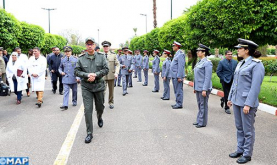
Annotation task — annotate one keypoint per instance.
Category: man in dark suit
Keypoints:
(225, 71)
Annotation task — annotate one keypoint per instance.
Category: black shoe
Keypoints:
(130, 86)
(74, 105)
(135, 77)
(162, 97)
(111, 106)
(195, 123)
(124, 94)
(61, 93)
(244, 159)
(173, 105)
(222, 102)
(165, 99)
(144, 85)
(64, 107)
(176, 107)
(38, 104)
(235, 155)
(119, 86)
(88, 138)
(228, 111)
(100, 122)
(54, 92)
(155, 91)
(199, 126)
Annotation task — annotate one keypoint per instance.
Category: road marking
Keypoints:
(63, 155)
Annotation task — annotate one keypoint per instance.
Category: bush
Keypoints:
(271, 51)
(61, 41)
(31, 36)
(10, 30)
(215, 62)
(77, 49)
(152, 42)
(49, 42)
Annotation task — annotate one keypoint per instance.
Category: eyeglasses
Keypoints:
(230, 54)
(89, 44)
(105, 46)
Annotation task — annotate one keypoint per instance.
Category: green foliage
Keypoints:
(77, 49)
(215, 62)
(49, 42)
(138, 43)
(173, 30)
(10, 30)
(31, 36)
(61, 41)
(271, 51)
(270, 67)
(152, 40)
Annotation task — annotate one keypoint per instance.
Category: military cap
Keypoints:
(67, 49)
(106, 43)
(119, 50)
(203, 47)
(167, 51)
(243, 43)
(125, 48)
(145, 51)
(156, 51)
(130, 51)
(90, 39)
(176, 44)
(1, 48)
(137, 50)
(96, 48)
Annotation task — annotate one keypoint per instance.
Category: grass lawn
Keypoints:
(268, 94)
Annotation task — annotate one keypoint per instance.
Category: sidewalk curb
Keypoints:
(263, 107)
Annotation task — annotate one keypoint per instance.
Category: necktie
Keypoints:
(67, 58)
(106, 55)
(242, 63)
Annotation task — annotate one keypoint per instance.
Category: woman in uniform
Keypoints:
(202, 85)
(156, 70)
(166, 75)
(248, 77)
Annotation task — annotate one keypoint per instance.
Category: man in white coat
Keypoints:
(37, 66)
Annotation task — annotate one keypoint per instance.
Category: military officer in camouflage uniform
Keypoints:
(91, 68)
(66, 69)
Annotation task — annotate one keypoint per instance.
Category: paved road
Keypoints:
(142, 129)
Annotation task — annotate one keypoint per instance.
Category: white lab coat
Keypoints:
(23, 58)
(12, 70)
(37, 67)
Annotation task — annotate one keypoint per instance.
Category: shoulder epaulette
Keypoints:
(100, 53)
(81, 55)
(208, 60)
(256, 60)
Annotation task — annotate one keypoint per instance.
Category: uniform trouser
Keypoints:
(110, 84)
(88, 97)
(39, 96)
(60, 84)
(18, 93)
(130, 82)
(67, 88)
(226, 88)
(125, 79)
(136, 71)
(145, 72)
(178, 91)
(245, 130)
(139, 73)
(156, 82)
(166, 94)
(202, 102)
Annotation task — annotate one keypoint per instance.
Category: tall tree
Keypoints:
(155, 13)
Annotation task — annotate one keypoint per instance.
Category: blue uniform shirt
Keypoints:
(128, 61)
(156, 64)
(247, 83)
(138, 60)
(67, 66)
(203, 75)
(177, 65)
(145, 62)
(166, 68)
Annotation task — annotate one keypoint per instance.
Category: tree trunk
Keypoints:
(154, 13)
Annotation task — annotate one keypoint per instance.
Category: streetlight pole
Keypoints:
(171, 9)
(3, 4)
(145, 20)
(98, 38)
(49, 15)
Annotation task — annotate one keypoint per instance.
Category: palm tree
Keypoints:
(154, 13)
